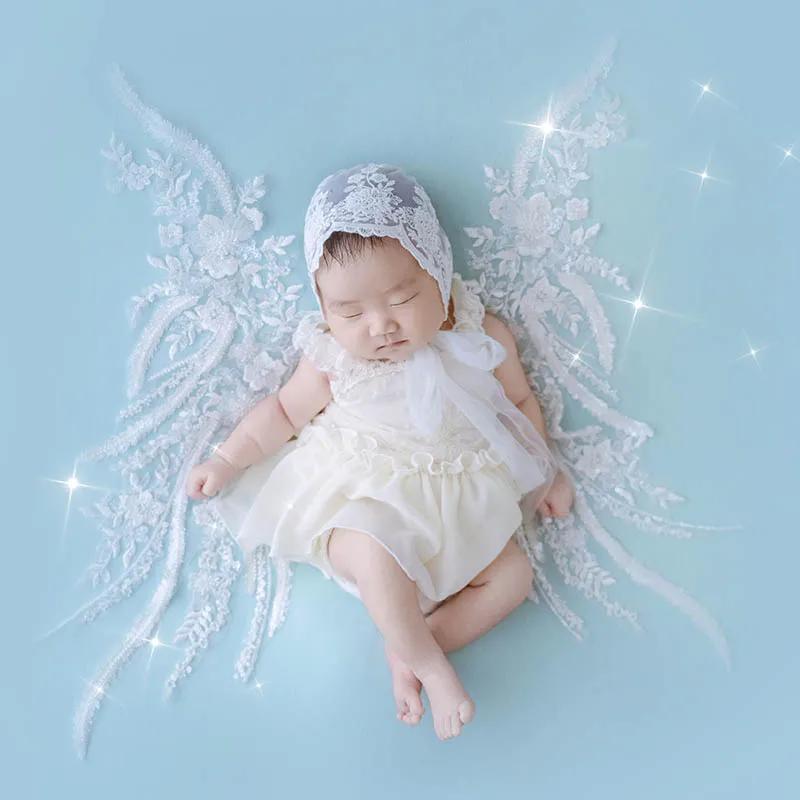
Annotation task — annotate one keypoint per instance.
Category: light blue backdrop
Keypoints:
(295, 90)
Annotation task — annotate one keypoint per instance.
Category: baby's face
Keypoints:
(381, 304)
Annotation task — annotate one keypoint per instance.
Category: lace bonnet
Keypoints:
(379, 200)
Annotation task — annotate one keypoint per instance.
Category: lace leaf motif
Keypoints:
(533, 265)
(216, 336)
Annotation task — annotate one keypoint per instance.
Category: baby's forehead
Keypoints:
(345, 286)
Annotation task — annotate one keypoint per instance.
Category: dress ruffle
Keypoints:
(444, 504)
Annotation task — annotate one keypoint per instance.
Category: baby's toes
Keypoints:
(409, 718)
(451, 727)
(410, 710)
(415, 707)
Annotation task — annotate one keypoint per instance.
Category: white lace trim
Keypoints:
(379, 200)
(372, 454)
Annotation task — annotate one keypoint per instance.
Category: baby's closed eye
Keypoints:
(407, 300)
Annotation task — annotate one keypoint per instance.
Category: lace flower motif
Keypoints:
(217, 241)
(533, 221)
(379, 200)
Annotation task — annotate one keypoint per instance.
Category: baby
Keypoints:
(398, 455)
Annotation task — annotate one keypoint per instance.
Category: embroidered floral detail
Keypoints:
(533, 268)
(216, 242)
(469, 309)
(221, 318)
(378, 200)
(533, 220)
(170, 235)
(219, 324)
(577, 208)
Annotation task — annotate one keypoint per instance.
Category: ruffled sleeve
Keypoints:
(469, 310)
(313, 338)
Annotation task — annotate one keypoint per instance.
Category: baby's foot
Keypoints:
(452, 707)
(407, 691)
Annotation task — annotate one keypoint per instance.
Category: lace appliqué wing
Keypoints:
(216, 334)
(534, 267)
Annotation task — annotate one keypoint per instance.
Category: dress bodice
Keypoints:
(442, 409)
(370, 396)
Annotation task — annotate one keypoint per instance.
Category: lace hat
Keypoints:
(379, 200)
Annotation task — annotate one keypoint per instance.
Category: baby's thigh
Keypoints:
(351, 552)
(512, 567)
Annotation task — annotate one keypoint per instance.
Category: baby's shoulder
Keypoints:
(495, 327)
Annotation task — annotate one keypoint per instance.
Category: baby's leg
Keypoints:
(390, 597)
(486, 601)
(465, 617)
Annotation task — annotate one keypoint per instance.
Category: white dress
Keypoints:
(444, 505)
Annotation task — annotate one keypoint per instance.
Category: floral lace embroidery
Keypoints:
(469, 308)
(223, 316)
(379, 200)
(531, 267)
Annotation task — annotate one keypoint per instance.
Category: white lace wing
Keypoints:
(533, 265)
(217, 336)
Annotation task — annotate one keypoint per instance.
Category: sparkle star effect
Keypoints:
(789, 154)
(752, 352)
(707, 91)
(639, 305)
(576, 357)
(579, 357)
(546, 127)
(704, 176)
(102, 693)
(73, 484)
(155, 643)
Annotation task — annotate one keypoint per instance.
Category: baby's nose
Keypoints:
(384, 326)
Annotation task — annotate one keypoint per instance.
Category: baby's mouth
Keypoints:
(392, 345)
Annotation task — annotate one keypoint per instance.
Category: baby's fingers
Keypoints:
(194, 486)
(545, 509)
(211, 486)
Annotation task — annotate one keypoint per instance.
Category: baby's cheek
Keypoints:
(420, 326)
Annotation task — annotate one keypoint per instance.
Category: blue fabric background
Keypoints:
(294, 91)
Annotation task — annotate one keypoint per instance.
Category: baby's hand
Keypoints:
(558, 500)
(206, 479)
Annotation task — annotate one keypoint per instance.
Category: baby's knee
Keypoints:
(517, 574)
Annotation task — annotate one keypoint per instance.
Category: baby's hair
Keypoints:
(341, 245)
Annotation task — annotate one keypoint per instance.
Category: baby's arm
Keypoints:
(265, 429)
(511, 375)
